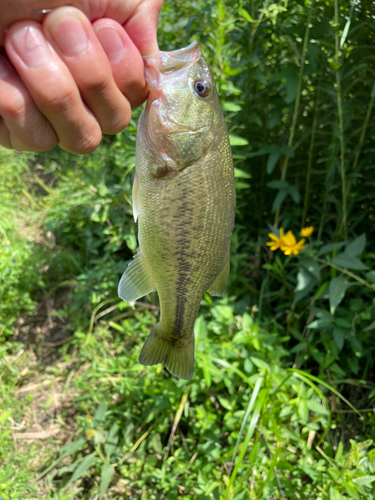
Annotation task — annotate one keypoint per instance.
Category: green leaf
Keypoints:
(337, 290)
(373, 91)
(247, 16)
(303, 410)
(315, 407)
(225, 403)
(345, 33)
(4, 416)
(364, 480)
(278, 184)
(112, 440)
(303, 279)
(106, 477)
(299, 347)
(240, 174)
(338, 337)
(65, 451)
(235, 140)
(357, 246)
(312, 266)
(99, 417)
(260, 363)
(272, 161)
(331, 247)
(279, 198)
(84, 465)
(320, 324)
(370, 327)
(242, 185)
(291, 86)
(294, 193)
(231, 106)
(346, 261)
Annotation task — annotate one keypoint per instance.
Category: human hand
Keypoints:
(76, 72)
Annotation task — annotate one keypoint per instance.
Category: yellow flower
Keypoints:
(290, 246)
(90, 432)
(276, 241)
(307, 231)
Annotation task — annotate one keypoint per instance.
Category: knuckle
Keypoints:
(14, 107)
(64, 101)
(88, 143)
(97, 83)
(117, 124)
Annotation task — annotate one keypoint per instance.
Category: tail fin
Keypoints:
(176, 354)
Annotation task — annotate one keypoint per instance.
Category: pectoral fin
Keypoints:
(135, 282)
(218, 286)
(135, 198)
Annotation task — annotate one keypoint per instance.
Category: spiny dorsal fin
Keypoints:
(135, 282)
(218, 286)
(135, 198)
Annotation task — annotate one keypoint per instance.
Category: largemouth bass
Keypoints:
(184, 200)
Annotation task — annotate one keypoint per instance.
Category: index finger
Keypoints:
(139, 16)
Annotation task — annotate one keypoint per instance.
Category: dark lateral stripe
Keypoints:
(184, 217)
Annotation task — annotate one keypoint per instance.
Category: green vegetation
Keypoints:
(281, 403)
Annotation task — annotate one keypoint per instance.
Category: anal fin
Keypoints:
(135, 282)
(217, 288)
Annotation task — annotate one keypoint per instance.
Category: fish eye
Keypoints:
(202, 88)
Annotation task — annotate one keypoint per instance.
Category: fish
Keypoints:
(184, 201)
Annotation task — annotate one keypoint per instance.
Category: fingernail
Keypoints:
(70, 36)
(30, 45)
(4, 70)
(111, 41)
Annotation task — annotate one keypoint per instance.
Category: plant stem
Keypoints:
(341, 122)
(297, 100)
(363, 133)
(309, 164)
(345, 271)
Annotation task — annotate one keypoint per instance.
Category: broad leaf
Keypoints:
(279, 198)
(278, 184)
(303, 280)
(294, 193)
(348, 262)
(331, 247)
(311, 266)
(231, 106)
(315, 407)
(235, 140)
(272, 161)
(357, 246)
(99, 416)
(106, 477)
(338, 337)
(111, 440)
(337, 289)
(83, 466)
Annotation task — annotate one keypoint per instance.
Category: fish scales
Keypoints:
(185, 199)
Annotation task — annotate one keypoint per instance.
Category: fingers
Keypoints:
(22, 125)
(71, 35)
(68, 81)
(125, 59)
(52, 87)
(141, 25)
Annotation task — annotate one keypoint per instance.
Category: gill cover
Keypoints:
(179, 114)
